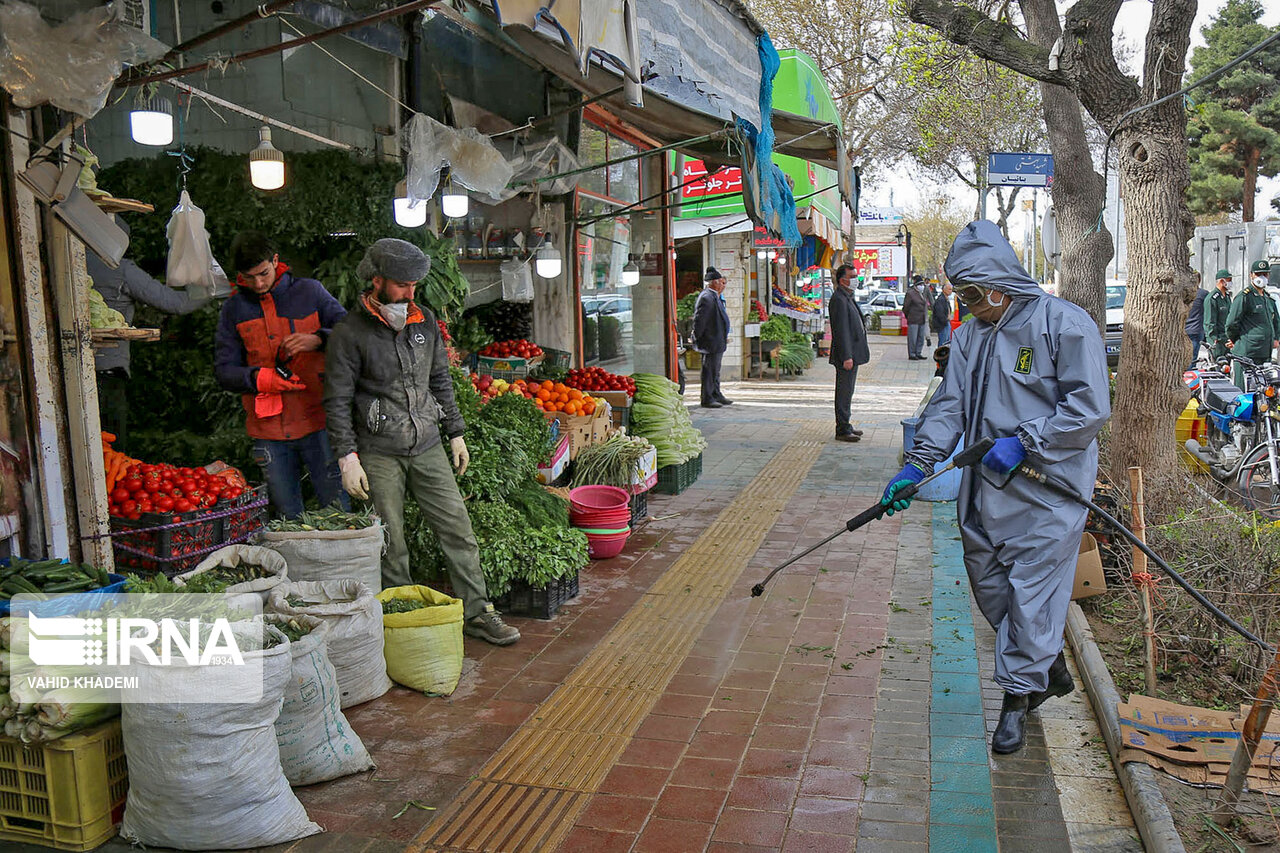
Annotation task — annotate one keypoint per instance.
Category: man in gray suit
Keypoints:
(848, 349)
(711, 337)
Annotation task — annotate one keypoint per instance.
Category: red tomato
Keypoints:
(164, 503)
(133, 483)
(207, 501)
(129, 506)
(144, 505)
(133, 516)
(188, 484)
(183, 505)
(232, 493)
(119, 495)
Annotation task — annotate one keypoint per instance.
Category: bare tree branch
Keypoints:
(999, 42)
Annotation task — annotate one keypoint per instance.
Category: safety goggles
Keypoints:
(970, 294)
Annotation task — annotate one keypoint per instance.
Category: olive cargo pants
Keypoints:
(429, 477)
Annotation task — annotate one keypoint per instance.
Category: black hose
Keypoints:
(1068, 492)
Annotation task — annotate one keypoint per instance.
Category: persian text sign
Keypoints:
(1006, 169)
(703, 185)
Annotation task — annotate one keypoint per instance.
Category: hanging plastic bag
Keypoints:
(517, 282)
(473, 159)
(191, 262)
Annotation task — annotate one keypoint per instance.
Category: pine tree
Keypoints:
(1235, 127)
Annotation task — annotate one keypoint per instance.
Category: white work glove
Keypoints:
(461, 457)
(354, 480)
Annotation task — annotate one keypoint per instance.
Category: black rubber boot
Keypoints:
(1060, 683)
(1011, 731)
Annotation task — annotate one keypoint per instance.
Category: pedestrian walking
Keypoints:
(940, 314)
(849, 349)
(1253, 325)
(269, 347)
(1031, 373)
(711, 336)
(916, 307)
(1216, 309)
(388, 395)
(1195, 325)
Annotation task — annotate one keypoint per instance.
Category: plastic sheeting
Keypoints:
(71, 66)
(766, 192)
(472, 159)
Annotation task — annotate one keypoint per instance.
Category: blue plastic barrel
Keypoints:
(946, 487)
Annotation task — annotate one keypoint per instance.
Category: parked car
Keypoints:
(882, 300)
(1115, 320)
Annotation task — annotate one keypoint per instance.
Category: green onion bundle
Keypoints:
(613, 462)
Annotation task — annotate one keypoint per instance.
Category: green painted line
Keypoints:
(961, 807)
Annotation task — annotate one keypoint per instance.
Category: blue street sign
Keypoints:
(1019, 169)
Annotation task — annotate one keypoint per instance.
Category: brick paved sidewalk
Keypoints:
(667, 710)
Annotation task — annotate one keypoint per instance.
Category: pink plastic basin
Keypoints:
(604, 547)
(612, 519)
(591, 498)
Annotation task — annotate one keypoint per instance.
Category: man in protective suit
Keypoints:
(1030, 372)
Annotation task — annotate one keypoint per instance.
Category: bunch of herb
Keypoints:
(465, 395)
(776, 328)
(403, 605)
(685, 305)
(519, 415)
(500, 462)
(538, 507)
(469, 333)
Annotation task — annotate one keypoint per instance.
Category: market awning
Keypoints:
(728, 223)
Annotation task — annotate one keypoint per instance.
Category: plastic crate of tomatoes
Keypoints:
(173, 541)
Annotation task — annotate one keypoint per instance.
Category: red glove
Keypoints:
(270, 382)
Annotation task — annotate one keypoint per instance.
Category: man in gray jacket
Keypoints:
(1029, 371)
(848, 349)
(387, 396)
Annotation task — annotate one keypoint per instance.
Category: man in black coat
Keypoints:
(848, 349)
(711, 336)
(916, 308)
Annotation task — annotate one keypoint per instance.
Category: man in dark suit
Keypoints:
(711, 336)
(848, 349)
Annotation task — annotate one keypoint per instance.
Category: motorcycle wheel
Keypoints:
(1258, 491)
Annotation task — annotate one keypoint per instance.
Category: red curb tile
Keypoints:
(586, 840)
(832, 782)
(849, 707)
(843, 730)
(332, 821)
(680, 705)
(673, 836)
(771, 736)
(789, 713)
(840, 755)
(527, 691)
(648, 752)
(845, 685)
(737, 699)
(704, 666)
(660, 727)
(761, 661)
(747, 679)
(783, 763)
(728, 722)
(813, 842)
(814, 814)
(505, 712)
(616, 814)
(724, 847)
(794, 691)
(632, 781)
(693, 685)
(696, 804)
(803, 672)
(751, 827)
(714, 773)
(763, 792)
(718, 745)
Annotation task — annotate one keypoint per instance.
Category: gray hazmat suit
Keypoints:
(1039, 374)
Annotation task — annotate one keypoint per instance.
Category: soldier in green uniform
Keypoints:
(1216, 309)
(1253, 326)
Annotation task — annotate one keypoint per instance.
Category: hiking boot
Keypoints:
(488, 626)
(1011, 731)
(1060, 683)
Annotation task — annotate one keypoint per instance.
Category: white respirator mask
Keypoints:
(396, 314)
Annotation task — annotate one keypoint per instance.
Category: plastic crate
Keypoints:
(69, 604)
(639, 508)
(674, 479)
(557, 358)
(69, 793)
(178, 549)
(524, 600)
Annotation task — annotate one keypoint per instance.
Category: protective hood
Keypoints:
(982, 256)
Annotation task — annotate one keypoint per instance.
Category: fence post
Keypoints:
(1254, 725)
(1143, 579)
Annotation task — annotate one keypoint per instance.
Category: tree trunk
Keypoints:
(1079, 194)
(1251, 157)
(1154, 177)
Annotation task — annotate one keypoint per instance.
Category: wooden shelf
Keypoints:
(111, 204)
(110, 337)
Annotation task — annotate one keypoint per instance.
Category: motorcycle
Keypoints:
(1242, 429)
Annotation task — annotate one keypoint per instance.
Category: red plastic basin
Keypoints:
(591, 498)
(603, 547)
(611, 519)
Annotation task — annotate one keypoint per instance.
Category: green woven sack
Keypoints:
(423, 647)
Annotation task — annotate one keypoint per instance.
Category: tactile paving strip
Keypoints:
(529, 794)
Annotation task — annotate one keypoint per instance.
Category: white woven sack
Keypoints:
(208, 777)
(354, 638)
(325, 555)
(316, 741)
(233, 555)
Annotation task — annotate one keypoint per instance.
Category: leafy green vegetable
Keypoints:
(776, 328)
(469, 333)
(521, 416)
(538, 507)
(445, 289)
(685, 306)
(659, 415)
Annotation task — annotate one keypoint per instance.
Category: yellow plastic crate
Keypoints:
(68, 794)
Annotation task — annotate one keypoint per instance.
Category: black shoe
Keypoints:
(1060, 684)
(724, 401)
(848, 436)
(856, 432)
(712, 405)
(1011, 731)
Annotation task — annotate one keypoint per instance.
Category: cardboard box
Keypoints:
(582, 430)
(620, 403)
(1089, 577)
(549, 473)
(645, 476)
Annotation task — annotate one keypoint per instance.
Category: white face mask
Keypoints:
(1260, 281)
(396, 314)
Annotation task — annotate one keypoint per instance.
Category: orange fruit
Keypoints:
(575, 394)
(548, 385)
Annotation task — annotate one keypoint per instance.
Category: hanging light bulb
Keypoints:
(547, 261)
(409, 214)
(773, 254)
(266, 163)
(782, 260)
(454, 203)
(151, 121)
(761, 254)
(631, 272)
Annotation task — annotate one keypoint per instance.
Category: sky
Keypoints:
(1131, 25)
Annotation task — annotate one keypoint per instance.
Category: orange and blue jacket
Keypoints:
(251, 330)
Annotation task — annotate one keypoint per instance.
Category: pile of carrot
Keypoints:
(117, 463)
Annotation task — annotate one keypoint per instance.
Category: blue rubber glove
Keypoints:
(908, 476)
(1006, 455)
